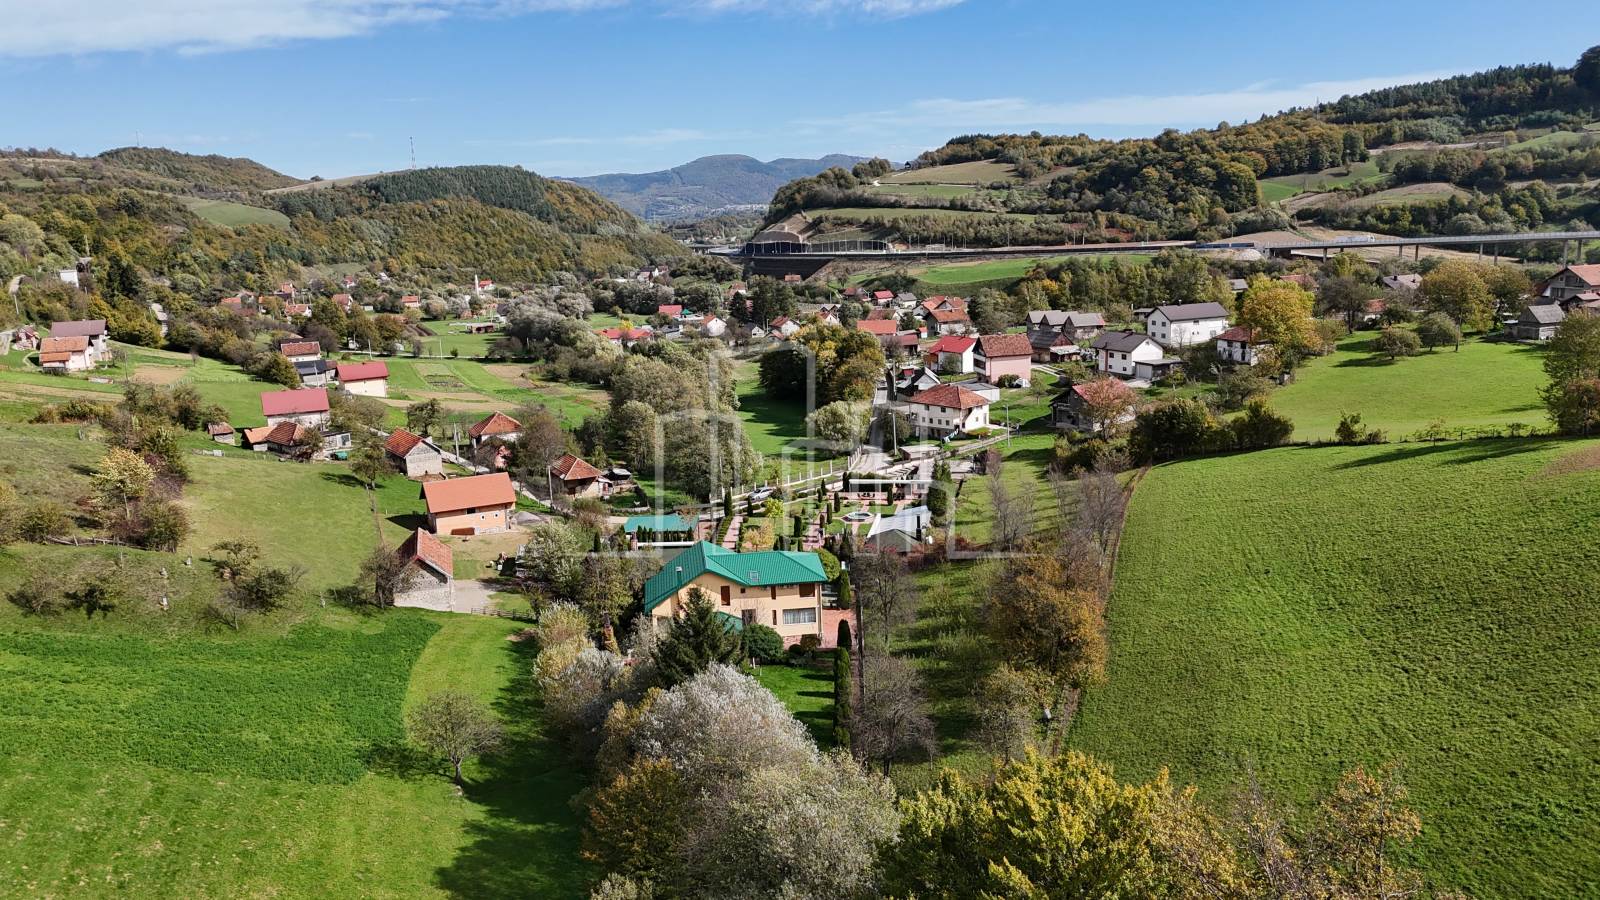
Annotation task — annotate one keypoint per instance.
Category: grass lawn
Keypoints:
(1314, 609)
(1275, 191)
(807, 692)
(234, 215)
(978, 172)
(1026, 461)
(932, 191)
(1326, 180)
(892, 213)
(1488, 383)
(266, 764)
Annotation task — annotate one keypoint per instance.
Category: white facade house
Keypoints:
(1120, 353)
(1187, 324)
(1239, 344)
(947, 409)
(365, 379)
(953, 354)
(713, 327)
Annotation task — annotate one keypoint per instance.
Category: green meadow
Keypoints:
(1309, 610)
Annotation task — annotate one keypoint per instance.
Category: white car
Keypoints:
(762, 494)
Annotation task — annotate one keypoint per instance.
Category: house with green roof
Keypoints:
(779, 589)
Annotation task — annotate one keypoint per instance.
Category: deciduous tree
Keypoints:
(455, 726)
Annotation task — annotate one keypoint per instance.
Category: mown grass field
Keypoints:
(270, 765)
(1314, 609)
(807, 692)
(978, 172)
(1282, 187)
(1488, 383)
(234, 215)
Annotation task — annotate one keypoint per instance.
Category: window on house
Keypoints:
(807, 616)
(808, 590)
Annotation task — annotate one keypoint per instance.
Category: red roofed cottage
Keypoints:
(480, 504)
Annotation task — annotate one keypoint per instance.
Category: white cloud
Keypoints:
(1252, 101)
(34, 28)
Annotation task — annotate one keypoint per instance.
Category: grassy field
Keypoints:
(927, 191)
(1026, 462)
(893, 213)
(1273, 189)
(808, 693)
(1487, 383)
(270, 765)
(1312, 609)
(979, 172)
(234, 215)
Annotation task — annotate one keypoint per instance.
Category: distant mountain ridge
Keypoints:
(707, 185)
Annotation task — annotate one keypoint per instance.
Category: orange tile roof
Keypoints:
(300, 348)
(943, 316)
(286, 434)
(496, 423)
(402, 442)
(879, 327)
(571, 468)
(953, 396)
(58, 357)
(424, 547)
(1002, 346)
(75, 344)
(469, 493)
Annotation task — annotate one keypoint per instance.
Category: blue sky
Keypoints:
(579, 87)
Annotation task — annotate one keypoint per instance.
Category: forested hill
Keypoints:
(1525, 123)
(558, 203)
(196, 222)
(707, 185)
(206, 172)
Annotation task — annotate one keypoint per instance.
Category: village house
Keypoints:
(952, 354)
(626, 337)
(305, 406)
(413, 455)
(882, 298)
(713, 327)
(669, 310)
(946, 321)
(315, 372)
(882, 329)
(410, 301)
(301, 351)
(577, 478)
(479, 504)
(497, 426)
(1121, 353)
(782, 590)
(287, 439)
(430, 567)
(946, 410)
(1239, 344)
(222, 433)
(828, 315)
(286, 290)
(297, 310)
(1070, 411)
(1538, 322)
(66, 354)
(345, 302)
(367, 379)
(1052, 346)
(1004, 356)
(92, 330)
(232, 304)
(901, 533)
(1080, 327)
(784, 327)
(1570, 287)
(1187, 324)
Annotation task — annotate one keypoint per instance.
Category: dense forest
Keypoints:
(427, 226)
(1206, 183)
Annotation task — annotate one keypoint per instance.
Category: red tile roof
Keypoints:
(345, 301)
(300, 348)
(293, 403)
(625, 334)
(953, 396)
(70, 344)
(367, 371)
(219, 428)
(496, 423)
(475, 492)
(883, 295)
(296, 309)
(1003, 346)
(424, 547)
(1589, 273)
(402, 442)
(946, 316)
(670, 310)
(1240, 333)
(953, 343)
(879, 327)
(54, 356)
(411, 300)
(286, 434)
(571, 468)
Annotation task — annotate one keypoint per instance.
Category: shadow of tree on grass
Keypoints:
(526, 843)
